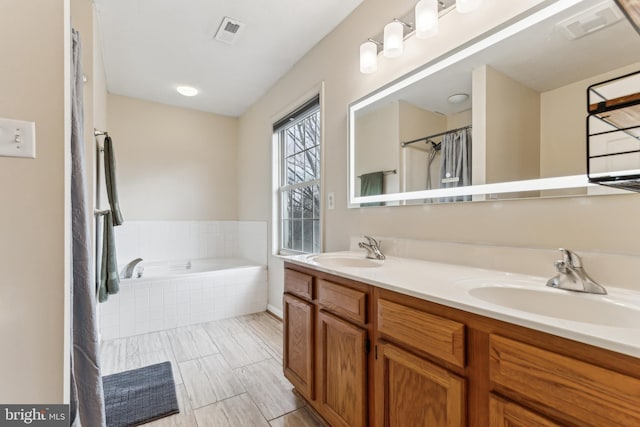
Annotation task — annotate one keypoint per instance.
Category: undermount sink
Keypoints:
(346, 260)
(576, 307)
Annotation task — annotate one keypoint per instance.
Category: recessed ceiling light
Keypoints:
(458, 98)
(187, 90)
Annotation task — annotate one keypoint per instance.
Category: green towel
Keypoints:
(110, 181)
(372, 184)
(109, 279)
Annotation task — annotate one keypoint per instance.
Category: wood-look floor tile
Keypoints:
(185, 418)
(224, 327)
(209, 379)
(268, 329)
(269, 389)
(238, 411)
(302, 417)
(113, 356)
(191, 343)
(241, 349)
(147, 359)
(148, 343)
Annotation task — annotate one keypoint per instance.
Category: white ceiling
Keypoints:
(152, 46)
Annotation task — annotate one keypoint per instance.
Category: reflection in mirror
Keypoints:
(512, 112)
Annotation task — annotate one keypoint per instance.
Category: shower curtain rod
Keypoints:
(97, 132)
(425, 138)
(389, 172)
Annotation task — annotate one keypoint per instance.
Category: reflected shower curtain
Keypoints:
(456, 162)
(87, 400)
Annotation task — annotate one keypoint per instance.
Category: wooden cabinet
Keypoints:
(343, 371)
(433, 365)
(298, 354)
(417, 392)
(327, 345)
(503, 413)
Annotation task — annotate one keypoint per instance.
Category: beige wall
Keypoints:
(374, 133)
(33, 251)
(533, 223)
(174, 163)
(512, 129)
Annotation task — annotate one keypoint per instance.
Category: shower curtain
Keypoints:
(87, 400)
(456, 162)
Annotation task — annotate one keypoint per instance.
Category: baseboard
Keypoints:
(275, 311)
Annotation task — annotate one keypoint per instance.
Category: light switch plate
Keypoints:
(17, 138)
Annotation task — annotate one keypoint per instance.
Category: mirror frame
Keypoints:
(483, 41)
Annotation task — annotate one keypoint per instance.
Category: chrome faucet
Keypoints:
(127, 271)
(572, 277)
(373, 248)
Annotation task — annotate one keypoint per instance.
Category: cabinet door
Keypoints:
(417, 392)
(343, 370)
(503, 413)
(298, 355)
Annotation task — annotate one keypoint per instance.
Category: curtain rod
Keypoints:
(97, 132)
(424, 138)
(389, 172)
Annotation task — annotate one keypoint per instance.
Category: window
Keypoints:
(298, 138)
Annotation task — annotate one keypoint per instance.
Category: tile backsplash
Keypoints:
(177, 240)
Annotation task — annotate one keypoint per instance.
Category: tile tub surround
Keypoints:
(177, 240)
(155, 304)
(609, 269)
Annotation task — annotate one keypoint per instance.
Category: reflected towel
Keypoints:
(109, 279)
(372, 184)
(110, 180)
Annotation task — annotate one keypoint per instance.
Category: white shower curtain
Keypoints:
(456, 162)
(87, 400)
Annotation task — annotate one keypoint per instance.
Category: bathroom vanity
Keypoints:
(400, 344)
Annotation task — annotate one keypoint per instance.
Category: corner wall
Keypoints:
(524, 223)
(33, 251)
(174, 163)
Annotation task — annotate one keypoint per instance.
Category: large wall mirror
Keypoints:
(501, 117)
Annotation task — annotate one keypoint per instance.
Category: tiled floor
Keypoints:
(227, 372)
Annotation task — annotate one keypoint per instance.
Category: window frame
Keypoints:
(312, 105)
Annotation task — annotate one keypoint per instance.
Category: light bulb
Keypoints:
(368, 57)
(393, 39)
(466, 6)
(426, 18)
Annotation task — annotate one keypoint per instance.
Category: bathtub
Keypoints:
(166, 295)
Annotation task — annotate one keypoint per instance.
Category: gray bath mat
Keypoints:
(139, 396)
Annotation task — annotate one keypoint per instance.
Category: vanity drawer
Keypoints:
(585, 394)
(435, 335)
(298, 283)
(343, 301)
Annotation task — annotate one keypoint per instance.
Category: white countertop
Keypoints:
(449, 285)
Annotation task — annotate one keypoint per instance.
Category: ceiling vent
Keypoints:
(229, 30)
(591, 20)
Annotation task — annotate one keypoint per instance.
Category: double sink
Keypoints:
(527, 295)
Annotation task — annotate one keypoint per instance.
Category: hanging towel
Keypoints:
(110, 178)
(109, 279)
(372, 184)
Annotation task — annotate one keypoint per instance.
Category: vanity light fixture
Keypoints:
(187, 90)
(422, 20)
(466, 6)
(426, 18)
(394, 38)
(369, 56)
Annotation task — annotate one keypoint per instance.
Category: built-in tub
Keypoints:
(180, 293)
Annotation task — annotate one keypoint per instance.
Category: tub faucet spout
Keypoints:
(127, 271)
